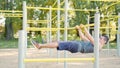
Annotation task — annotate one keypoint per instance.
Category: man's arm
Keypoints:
(88, 35)
(82, 36)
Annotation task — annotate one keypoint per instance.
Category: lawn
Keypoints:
(10, 44)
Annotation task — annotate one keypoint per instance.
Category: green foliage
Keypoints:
(75, 17)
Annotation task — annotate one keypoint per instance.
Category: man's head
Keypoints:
(104, 39)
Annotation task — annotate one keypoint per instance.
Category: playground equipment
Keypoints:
(65, 39)
(11, 13)
(23, 38)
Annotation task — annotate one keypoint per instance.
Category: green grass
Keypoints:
(8, 44)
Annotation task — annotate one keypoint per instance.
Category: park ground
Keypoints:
(9, 59)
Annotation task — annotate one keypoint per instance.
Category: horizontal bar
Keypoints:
(53, 29)
(103, 0)
(43, 29)
(11, 15)
(104, 27)
(10, 11)
(59, 60)
(37, 21)
(62, 9)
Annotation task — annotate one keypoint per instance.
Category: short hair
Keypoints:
(106, 38)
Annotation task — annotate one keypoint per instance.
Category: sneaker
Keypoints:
(35, 44)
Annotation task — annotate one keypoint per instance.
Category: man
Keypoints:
(85, 45)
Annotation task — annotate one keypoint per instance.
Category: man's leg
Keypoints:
(47, 45)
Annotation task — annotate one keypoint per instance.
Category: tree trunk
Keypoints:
(8, 24)
(8, 30)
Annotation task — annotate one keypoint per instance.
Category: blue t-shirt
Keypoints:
(85, 47)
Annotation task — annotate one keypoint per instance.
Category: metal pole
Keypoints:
(118, 36)
(48, 35)
(66, 26)
(88, 22)
(108, 45)
(58, 26)
(21, 49)
(50, 26)
(96, 39)
(25, 21)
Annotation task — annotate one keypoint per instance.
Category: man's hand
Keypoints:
(77, 27)
(82, 26)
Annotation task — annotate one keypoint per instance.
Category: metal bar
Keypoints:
(48, 35)
(37, 21)
(24, 25)
(118, 36)
(107, 31)
(88, 22)
(50, 27)
(96, 39)
(111, 5)
(12, 15)
(21, 49)
(60, 60)
(103, 0)
(12, 11)
(65, 31)
(62, 3)
(54, 3)
(62, 9)
(58, 25)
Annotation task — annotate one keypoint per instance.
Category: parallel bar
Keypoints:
(108, 16)
(62, 9)
(60, 60)
(103, 0)
(12, 15)
(13, 11)
(37, 21)
(55, 29)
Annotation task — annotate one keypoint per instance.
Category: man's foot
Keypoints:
(35, 44)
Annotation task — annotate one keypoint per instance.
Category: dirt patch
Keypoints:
(9, 59)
